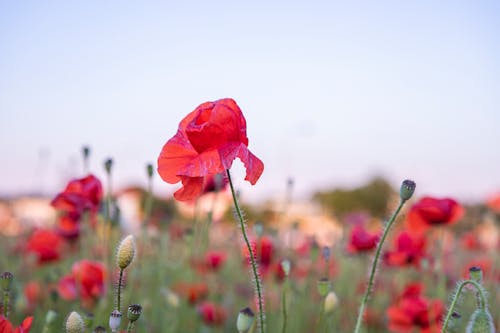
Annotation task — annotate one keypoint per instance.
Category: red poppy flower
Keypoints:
(85, 281)
(214, 260)
(361, 240)
(431, 212)
(207, 142)
(32, 293)
(68, 226)
(6, 326)
(194, 292)
(212, 314)
(409, 249)
(412, 310)
(470, 241)
(494, 203)
(80, 194)
(45, 244)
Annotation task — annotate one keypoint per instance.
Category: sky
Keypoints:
(334, 92)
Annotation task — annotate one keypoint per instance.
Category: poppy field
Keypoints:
(375, 259)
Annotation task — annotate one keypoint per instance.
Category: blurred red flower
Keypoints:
(361, 240)
(470, 241)
(207, 142)
(215, 259)
(212, 314)
(80, 194)
(412, 310)
(409, 249)
(193, 292)
(32, 293)
(493, 203)
(6, 326)
(429, 212)
(45, 244)
(86, 281)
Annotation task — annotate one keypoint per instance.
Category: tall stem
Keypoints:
(6, 303)
(251, 253)
(359, 321)
(283, 305)
(482, 301)
(118, 291)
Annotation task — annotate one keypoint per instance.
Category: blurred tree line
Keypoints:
(372, 198)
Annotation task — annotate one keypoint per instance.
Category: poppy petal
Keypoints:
(191, 188)
(175, 155)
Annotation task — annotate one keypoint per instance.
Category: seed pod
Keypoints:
(125, 252)
(74, 323)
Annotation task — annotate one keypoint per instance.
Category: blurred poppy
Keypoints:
(85, 281)
(68, 226)
(212, 314)
(470, 241)
(413, 311)
(214, 260)
(6, 326)
(361, 240)
(32, 293)
(80, 194)
(263, 249)
(493, 203)
(193, 292)
(45, 244)
(429, 212)
(409, 249)
(207, 142)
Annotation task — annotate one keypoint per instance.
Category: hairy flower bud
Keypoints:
(407, 189)
(149, 170)
(74, 323)
(480, 322)
(125, 252)
(331, 302)
(245, 320)
(108, 164)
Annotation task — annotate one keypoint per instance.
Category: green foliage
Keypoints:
(372, 198)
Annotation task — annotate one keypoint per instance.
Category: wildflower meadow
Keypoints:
(377, 258)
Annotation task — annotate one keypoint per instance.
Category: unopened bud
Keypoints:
(285, 266)
(407, 189)
(480, 322)
(50, 317)
(149, 170)
(476, 274)
(331, 301)
(245, 320)
(115, 319)
(125, 252)
(134, 312)
(89, 320)
(74, 323)
(108, 165)
(99, 329)
(6, 280)
(86, 151)
(324, 286)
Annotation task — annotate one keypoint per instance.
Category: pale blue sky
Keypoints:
(333, 91)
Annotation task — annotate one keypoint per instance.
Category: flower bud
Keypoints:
(331, 302)
(74, 323)
(285, 266)
(476, 274)
(108, 164)
(324, 286)
(134, 312)
(407, 189)
(480, 322)
(50, 317)
(85, 151)
(326, 253)
(115, 319)
(88, 320)
(149, 170)
(99, 329)
(245, 320)
(6, 280)
(125, 252)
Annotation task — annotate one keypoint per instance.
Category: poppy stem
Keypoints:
(6, 296)
(482, 300)
(364, 301)
(283, 305)
(118, 291)
(130, 326)
(251, 254)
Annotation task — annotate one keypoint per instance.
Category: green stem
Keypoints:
(130, 326)
(6, 296)
(118, 291)
(482, 302)
(364, 301)
(250, 251)
(283, 305)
